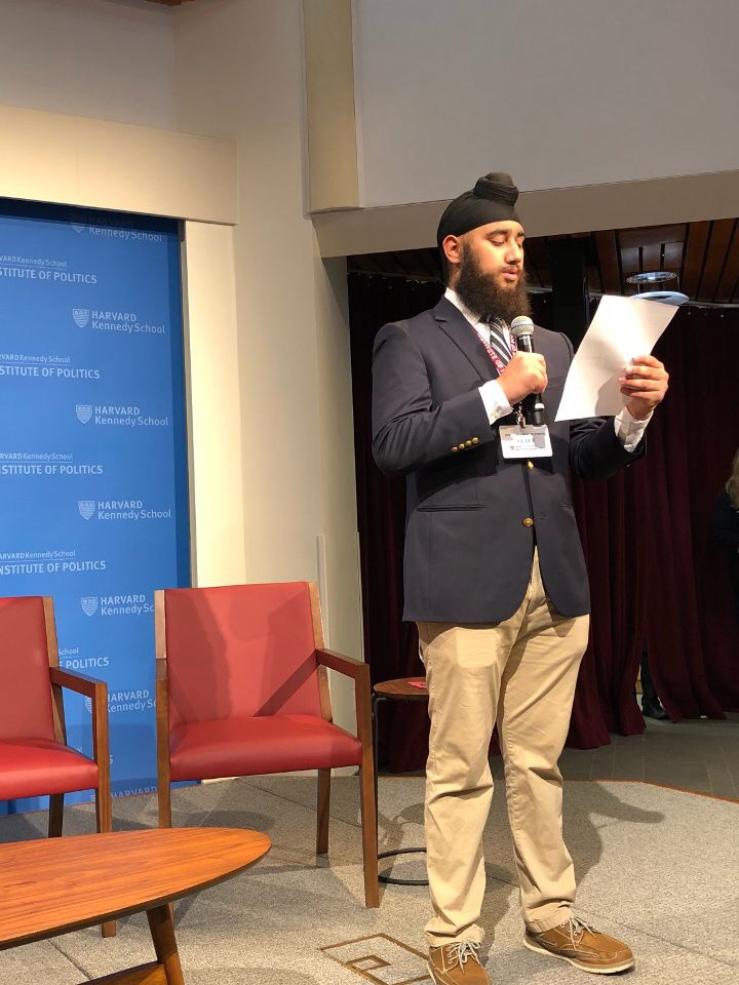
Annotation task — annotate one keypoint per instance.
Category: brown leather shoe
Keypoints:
(457, 964)
(583, 946)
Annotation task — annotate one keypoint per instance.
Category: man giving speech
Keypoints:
(494, 572)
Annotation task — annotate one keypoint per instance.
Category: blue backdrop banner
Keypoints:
(93, 452)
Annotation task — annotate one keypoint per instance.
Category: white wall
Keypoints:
(240, 75)
(77, 160)
(108, 59)
(237, 76)
(213, 406)
(561, 94)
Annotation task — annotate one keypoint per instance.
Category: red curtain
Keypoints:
(656, 578)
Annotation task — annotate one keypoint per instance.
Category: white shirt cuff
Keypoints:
(629, 431)
(495, 401)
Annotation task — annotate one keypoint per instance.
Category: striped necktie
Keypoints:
(499, 339)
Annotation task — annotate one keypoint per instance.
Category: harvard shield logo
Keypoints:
(86, 508)
(89, 604)
(81, 317)
(84, 412)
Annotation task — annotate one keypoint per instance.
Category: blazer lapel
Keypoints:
(453, 323)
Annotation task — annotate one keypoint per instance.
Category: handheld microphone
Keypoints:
(522, 329)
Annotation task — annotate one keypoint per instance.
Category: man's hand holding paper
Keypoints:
(644, 383)
(613, 362)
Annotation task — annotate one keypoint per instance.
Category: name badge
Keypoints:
(525, 442)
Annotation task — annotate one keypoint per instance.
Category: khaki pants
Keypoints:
(522, 674)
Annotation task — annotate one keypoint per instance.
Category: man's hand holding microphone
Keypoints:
(525, 373)
(528, 378)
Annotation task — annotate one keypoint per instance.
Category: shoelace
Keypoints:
(464, 950)
(578, 928)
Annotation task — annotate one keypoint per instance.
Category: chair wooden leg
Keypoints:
(56, 815)
(324, 801)
(165, 805)
(103, 811)
(369, 830)
(104, 816)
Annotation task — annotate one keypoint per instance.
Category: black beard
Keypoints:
(480, 293)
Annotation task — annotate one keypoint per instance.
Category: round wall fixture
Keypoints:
(652, 277)
(665, 297)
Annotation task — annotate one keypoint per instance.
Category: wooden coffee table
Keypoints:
(49, 887)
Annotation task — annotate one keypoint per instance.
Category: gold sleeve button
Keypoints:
(529, 465)
(455, 448)
(475, 441)
(527, 521)
(468, 444)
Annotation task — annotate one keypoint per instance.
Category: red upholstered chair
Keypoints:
(35, 759)
(242, 690)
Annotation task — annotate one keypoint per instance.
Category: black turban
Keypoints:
(493, 198)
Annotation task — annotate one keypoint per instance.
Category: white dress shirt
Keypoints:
(629, 431)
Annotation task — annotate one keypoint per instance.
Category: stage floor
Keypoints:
(699, 755)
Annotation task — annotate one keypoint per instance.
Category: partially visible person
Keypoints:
(651, 706)
(725, 526)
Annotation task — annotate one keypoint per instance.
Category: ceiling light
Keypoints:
(651, 277)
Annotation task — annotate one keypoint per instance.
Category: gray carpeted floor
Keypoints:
(696, 754)
(658, 867)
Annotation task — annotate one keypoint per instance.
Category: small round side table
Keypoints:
(399, 689)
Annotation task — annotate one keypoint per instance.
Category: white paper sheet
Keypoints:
(622, 328)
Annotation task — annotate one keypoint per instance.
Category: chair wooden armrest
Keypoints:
(360, 672)
(97, 692)
(341, 664)
(81, 683)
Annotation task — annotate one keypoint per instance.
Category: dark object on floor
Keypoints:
(651, 706)
(653, 709)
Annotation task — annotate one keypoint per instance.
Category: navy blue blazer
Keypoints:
(469, 540)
